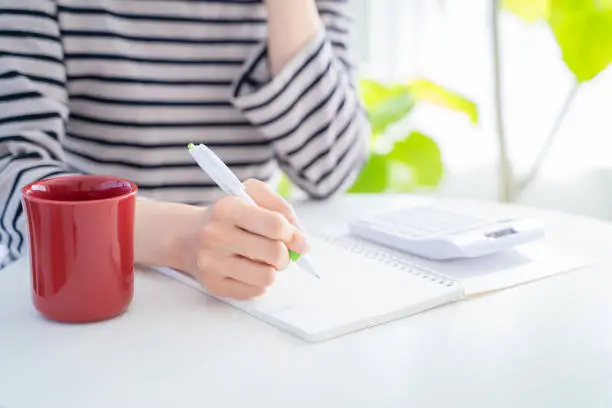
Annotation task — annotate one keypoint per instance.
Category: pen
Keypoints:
(230, 184)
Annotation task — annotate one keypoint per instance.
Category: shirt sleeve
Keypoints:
(33, 110)
(310, 111)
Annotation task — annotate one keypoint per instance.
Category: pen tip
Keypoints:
(308, 268)
(191, 146)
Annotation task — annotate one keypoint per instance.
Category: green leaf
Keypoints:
(421, 154)
(390, 111)
(385, 105)
(423, 90)
(373, 177)
(574, 5)
(371, 92)
(402, 178)
(528, 10)
(583, 29)
(414, 161)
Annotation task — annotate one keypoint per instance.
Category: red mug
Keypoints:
(81, 234)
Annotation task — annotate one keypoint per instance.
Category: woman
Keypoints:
(120, 88)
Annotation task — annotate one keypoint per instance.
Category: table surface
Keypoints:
(544, 344)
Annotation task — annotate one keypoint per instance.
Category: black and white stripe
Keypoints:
(120, 87)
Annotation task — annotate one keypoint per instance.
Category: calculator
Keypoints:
(435, 233)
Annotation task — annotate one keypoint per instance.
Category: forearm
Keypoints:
(163, 233)
(291, 25)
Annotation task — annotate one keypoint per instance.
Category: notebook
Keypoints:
(363, 285)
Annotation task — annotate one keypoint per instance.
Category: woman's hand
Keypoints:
(233, 248)
(242, 246)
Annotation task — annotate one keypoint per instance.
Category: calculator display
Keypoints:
(500, 233)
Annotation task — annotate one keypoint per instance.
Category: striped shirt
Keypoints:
(120, 87)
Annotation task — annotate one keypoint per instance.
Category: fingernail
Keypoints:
(300, 243)
(292, 217)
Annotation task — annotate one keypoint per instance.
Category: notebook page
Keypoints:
(522, 264)
(356, 292)
(353, 293)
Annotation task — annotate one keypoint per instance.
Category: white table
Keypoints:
(545, 344)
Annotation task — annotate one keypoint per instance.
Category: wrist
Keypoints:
(163, 233)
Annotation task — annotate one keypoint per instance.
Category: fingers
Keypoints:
(257, 248)
(229, 240)
(260, 221)
(267, 198)
(247, 271)
(242, 245)
(235, 277)
(231, 288)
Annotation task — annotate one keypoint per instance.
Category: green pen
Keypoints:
(229, 183)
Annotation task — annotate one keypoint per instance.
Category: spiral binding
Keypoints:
(387, 256)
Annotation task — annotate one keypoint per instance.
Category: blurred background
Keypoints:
(466, 96)
(427, 76)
